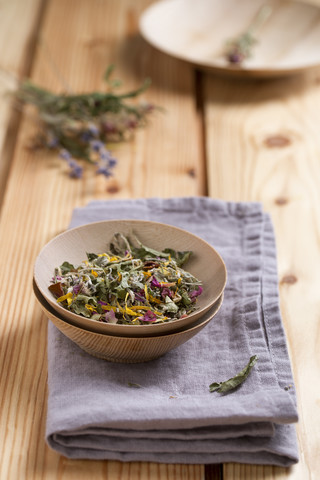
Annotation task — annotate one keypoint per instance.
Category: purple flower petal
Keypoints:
(77, 288)
(104, 171)
(139, 297)
(96, 145)
(149, 316)
(110, 317)
(195, 293)
(65, 154)
(155, 283)
(166, 292)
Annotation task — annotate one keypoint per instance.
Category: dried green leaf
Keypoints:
(179, 257)
(108, 72)
(119, 244)
(234, 382)
(92, 256)
(66, 267)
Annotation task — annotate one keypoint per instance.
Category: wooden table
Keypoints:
(253, 140)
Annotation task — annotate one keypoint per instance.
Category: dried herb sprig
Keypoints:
(234, 382)
(79, 126)
(240, 48)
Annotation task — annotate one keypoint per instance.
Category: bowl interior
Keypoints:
(72, 245)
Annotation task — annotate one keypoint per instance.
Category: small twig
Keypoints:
(240, 48)
(54, 67)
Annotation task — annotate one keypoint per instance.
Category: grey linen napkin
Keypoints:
(93, 412)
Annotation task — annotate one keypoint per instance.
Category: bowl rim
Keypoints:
(119, 327)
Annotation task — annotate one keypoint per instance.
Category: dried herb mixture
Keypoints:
(130, 284)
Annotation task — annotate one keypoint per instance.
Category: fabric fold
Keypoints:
(172, 417)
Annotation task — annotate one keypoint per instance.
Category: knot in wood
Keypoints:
(113, 189)
(277, 141)
(191, 172)
(289, 279)
(281, 201)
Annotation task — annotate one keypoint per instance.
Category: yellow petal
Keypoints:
(64, 297)
(108, 307)
(146, 293)
(154, 299)
(90, 307)
(131, 312)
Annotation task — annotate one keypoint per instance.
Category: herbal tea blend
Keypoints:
(129, 284)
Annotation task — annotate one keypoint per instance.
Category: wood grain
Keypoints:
(263, 145)
(81, 38)
(19, 22)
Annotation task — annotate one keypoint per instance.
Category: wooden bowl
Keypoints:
(125, 349)
(197, 32)
(72, 245)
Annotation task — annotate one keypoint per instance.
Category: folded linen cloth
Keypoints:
(94, 413)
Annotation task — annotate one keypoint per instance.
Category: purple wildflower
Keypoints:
(93, 130)
(96, 145)
(107, 162)
(235, 57)
(132, 124)
(86, 136)
(75, 169)
(112, 162)
(109, 127)
(104, 171)
(65, 154)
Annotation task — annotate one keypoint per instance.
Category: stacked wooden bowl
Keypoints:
(129, 343)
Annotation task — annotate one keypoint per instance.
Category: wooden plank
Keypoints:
(263, 145)
(80, 38)
(18, 29)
